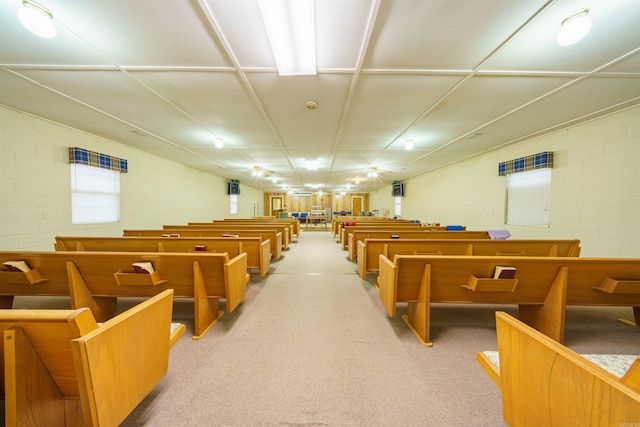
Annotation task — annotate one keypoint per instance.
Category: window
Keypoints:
(234, 204)
(397, 206)
(95, 195)
(528, 197)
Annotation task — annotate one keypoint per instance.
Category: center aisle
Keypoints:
(312, 345)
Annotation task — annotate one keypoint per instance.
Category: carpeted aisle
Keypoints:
(311, 345)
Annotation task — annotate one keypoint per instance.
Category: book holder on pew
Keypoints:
(613, 286)
(30, 277)
(482, 284)
(138, 279)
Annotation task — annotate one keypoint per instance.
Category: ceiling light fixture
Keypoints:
(408, 145)
(311, 105)
(37, 19)
(290, 26)
(373, 172)
(257, 171)
(574, 28)
(219, 142)
(312, 164)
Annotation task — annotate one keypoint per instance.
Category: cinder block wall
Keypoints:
(35, 186)
(595, 188)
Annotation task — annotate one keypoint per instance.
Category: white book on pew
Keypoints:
(144, 267)
(17, 266)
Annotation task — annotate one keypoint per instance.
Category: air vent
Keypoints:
(301, 194)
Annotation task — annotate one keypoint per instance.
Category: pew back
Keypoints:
(360, 235)
(257, 250)
(274, 237)
(285, 229)
(97, 279)
(542, 287)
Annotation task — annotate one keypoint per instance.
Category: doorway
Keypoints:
(277, 205)
(356, 205)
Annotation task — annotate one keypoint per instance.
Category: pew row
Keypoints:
(542, 287)
(348, 227)
(338, 221)
(274, 237)
(61, 368)
(544, 383)
(257, 250)
(293, 222)
(285, 229)
(360, 235)
(97, 279)
(369, 250)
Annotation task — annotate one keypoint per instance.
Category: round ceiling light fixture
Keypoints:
(311, 105)
(574, 28)
(37, 19)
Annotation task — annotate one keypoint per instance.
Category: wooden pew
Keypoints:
(337, 222)
(543, 286)
(274, 237)
(359, 235)
(294, 222)
(370, 249)
(284, 229)
(257, 250)
(62, 369)
(344, 232)
(544, 383)
(97, 279)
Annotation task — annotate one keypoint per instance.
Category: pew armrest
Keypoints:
(119, 363)
(543, 382)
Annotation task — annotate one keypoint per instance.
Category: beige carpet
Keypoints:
(311, 345)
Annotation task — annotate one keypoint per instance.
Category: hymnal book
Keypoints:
(17, 266)
(230, 235)
(503, 272)
(144, 267)
(395, 236)
(201, 248)
(171, 235)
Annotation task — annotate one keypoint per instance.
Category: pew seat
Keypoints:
(544, 383)
(62, 368)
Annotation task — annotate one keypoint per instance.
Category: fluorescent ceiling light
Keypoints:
(290, 26)
(37, 19)
(574, 28)
(312, 164)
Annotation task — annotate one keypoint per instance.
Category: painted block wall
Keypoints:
(595, 188)
(35, 186)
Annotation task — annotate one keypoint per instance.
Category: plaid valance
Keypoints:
(91, 158)
(523, 164)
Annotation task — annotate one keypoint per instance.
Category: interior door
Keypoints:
(356, 205)
(277, 204)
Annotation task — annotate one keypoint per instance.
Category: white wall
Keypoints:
(595, 190)
(35, 187)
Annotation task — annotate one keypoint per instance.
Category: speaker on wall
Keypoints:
(233, 188)
(397, 190)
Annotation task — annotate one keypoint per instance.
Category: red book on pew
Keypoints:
(504, 272)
